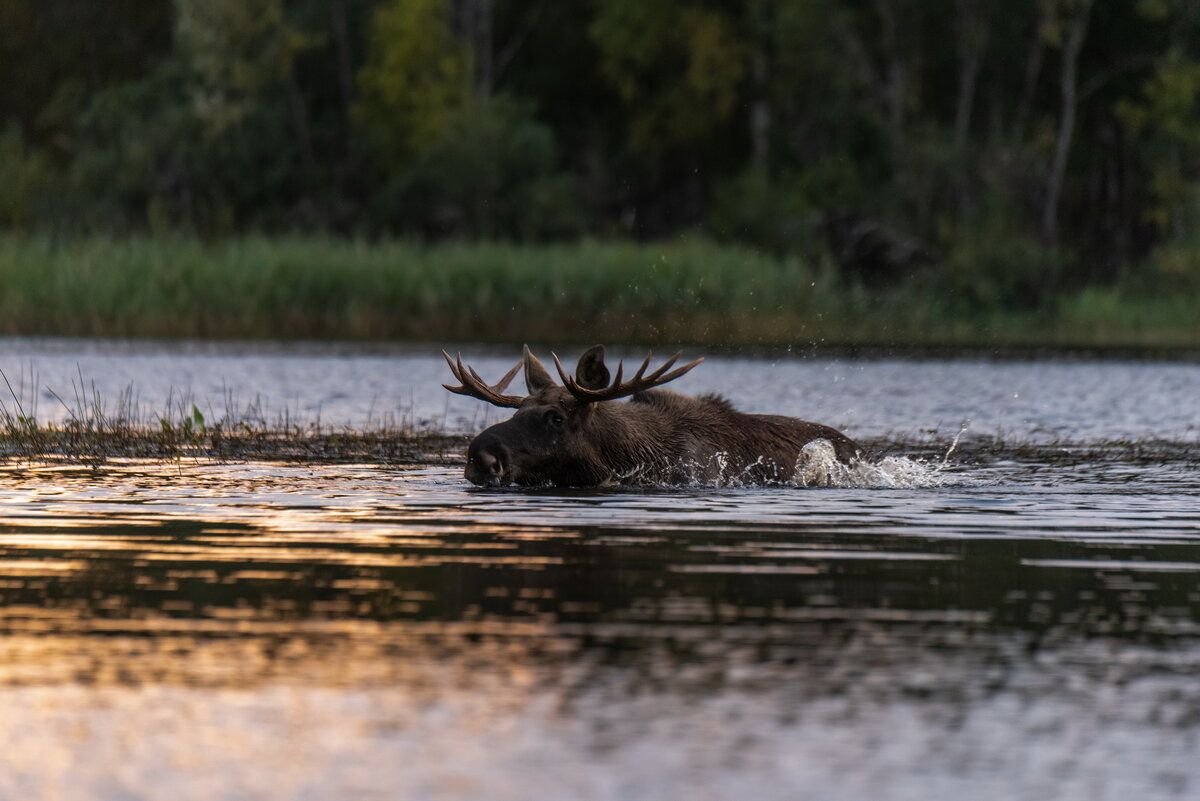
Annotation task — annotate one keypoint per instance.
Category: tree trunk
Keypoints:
(884, 85)
(300, 125)
(972, 31)
(504, 57)
(895, 76)
(972, 43)
(475, 27)
(1066, 127)
(760, 111)
(483, 48)
(1033, 69)
(341, 50)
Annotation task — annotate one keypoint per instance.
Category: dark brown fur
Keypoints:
(657, 437)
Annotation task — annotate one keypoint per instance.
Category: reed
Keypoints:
(684, 292)
(96, 430)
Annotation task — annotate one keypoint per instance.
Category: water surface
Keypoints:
(358, 386)
(1022, 624)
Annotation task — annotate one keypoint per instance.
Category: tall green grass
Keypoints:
(681, 292)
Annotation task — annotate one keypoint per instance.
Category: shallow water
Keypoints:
(364, 386)
(1020, 626)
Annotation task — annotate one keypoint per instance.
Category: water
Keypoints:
(1020, 623)
(358, 386)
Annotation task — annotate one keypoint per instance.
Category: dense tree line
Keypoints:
(1013, 148)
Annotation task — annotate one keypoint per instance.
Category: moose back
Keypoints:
(575, 434)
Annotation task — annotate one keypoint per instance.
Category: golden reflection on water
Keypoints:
(271, 631)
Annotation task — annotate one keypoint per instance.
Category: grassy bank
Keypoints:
(692, 292)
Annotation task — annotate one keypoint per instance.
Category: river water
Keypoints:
(1020, 621)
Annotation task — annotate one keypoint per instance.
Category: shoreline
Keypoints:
(686, 293)
(866, 351)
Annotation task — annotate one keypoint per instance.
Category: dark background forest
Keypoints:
(1017, 149)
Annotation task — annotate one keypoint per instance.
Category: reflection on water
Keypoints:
(197, 630)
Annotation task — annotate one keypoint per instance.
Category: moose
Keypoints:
(574, 435)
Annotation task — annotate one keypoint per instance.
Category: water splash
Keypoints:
(818, 466)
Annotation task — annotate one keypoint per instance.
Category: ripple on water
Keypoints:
(199, 630)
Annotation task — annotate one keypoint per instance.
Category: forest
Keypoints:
(1008, 152)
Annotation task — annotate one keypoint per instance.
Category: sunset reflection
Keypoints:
(354, 620)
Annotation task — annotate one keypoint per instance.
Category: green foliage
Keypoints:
(416, 78)
(1174, 266)
(1165, 120)
(689, 291)
(1128, 316)
(490, 172)
(235, 50)
(453, 164)
(1034, 148)
(773, 214)
(24, 175)
(73, 47)
(678, 65)
(138, 157)
(206, 142)
(991, 266)
(321, 287)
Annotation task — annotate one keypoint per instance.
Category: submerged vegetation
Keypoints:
(688, 291)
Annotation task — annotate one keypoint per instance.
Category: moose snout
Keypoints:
(488, 465)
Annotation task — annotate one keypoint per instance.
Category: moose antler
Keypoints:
(474, 387)
(639, 383)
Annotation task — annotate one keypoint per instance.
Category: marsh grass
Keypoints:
(684, 292)
(94, 441)
(985, 449)
(93, 432)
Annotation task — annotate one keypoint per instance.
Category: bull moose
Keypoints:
(573, 434)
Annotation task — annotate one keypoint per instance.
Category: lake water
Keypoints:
(1020, 621)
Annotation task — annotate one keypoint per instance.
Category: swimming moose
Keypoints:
(574, 435)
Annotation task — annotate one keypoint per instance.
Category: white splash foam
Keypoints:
(818, 466)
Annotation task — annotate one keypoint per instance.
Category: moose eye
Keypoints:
(553, 418)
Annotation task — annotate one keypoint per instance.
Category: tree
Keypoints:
(237, 51)
(1071, 31)
(417, 76)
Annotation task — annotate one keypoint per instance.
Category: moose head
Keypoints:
(564, 434)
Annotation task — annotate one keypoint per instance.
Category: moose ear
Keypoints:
(591, 372)
(537, 377)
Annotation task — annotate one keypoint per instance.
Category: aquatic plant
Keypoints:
(95, 431)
